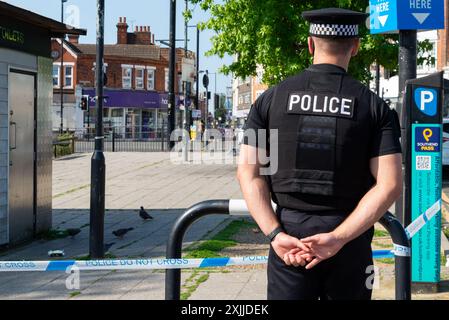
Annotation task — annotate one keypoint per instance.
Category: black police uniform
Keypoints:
(329, 127)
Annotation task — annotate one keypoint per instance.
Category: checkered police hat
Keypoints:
(334, 22)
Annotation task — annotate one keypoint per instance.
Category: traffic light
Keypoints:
(216, 101)
(84, 103)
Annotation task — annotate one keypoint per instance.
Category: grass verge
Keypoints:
(74, 294)
(53, 234)
(211, 249)
(195, 279)
(380, 233)
(386, 260)
(223, 239)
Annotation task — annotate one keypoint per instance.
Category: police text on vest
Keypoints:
(321, 104)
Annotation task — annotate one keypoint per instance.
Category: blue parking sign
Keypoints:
(392, 15)
(426, 100)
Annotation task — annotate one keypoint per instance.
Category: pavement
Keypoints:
(165, 188)
(162, 185)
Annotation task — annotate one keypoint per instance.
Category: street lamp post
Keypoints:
(61, 72)
(171, 75)
(197, 95)
(98, 166)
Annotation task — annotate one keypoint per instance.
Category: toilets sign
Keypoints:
(393, 15)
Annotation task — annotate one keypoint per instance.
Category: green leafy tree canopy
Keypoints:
(272, 34)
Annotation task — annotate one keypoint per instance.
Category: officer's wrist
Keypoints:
(274, 234)
(340, 237)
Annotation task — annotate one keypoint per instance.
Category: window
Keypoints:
(68, 79)
(247, 98)
(151, 73)
(140, 72)
(126, 77)
(166, 79)
(56, 69)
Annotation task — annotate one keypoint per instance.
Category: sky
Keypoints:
(154, 13)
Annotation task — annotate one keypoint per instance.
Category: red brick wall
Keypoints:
(114, 71)
(443, 39)
(55, 46)
(84, 75)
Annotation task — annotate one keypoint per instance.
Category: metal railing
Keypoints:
(238, 208)
(143, 139)
(123, 139)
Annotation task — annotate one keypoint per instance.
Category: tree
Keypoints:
(272, 33)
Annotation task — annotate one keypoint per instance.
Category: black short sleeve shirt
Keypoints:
(386, 125)
(258, 117)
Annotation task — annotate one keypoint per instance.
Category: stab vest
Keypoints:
(325, 125)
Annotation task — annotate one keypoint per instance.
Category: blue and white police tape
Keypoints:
(129, 264)
(143, 264)
(162, 264)
(421, 221)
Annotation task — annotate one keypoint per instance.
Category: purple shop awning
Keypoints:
(130, 99)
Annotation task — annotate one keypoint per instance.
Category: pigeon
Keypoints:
(144, 215)
(121, 232)
(73, 231)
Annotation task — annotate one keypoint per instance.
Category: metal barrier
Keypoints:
(238, 208)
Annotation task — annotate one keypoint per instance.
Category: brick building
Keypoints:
(137, 82)
(245, 93)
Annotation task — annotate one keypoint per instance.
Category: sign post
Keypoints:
(420, 186)
(423, 140)
(393, 15)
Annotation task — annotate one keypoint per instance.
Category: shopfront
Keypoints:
(131, 114)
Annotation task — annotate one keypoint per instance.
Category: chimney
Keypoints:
(74, 38)
(142, 35)
(122, 31)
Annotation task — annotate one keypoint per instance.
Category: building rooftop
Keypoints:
(152, 52)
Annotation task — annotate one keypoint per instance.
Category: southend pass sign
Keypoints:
(388, 16)
(424, 146)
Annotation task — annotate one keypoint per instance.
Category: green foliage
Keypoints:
(223, 239)
(272, 33)
(65, 145)
(53, 234)
(380, 233)
(386, 260)
(192, 283)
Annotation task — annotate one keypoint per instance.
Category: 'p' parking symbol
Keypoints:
(426, 100)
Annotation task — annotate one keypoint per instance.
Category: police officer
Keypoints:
(338, 168)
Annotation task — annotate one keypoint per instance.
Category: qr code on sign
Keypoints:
(423, 163)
